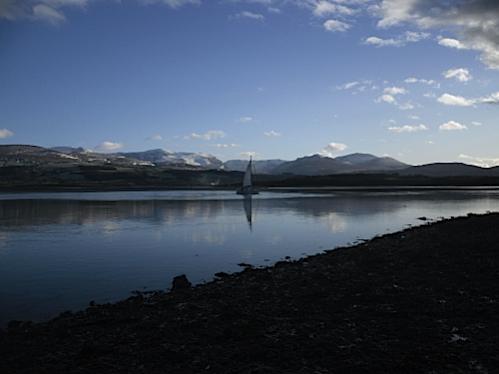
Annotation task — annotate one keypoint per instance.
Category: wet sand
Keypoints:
(423, 300)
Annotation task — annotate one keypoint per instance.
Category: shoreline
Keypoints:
(291, 189)
(419, 300)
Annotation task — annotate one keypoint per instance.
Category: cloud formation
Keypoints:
(484, 162)
(231, 145)
(452, 126)
(429, 82)
(460, 74)
(245, 119)
(272, 133)
(400, 41)
(248, 154)
(108, 146)
(156, 137)
(335, 25)
(476, 22)
(208, 135)
(248, 15)
(5, 133)
(332, 148)
(52, 11)
(453, 100)
(408, 128)
(324, 8)
(395, 91)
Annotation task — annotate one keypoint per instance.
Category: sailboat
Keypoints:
(247, 187)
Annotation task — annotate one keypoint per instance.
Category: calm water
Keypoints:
(59, 251)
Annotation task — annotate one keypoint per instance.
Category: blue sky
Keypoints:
(413, 79)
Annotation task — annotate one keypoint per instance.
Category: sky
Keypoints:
(417, 80)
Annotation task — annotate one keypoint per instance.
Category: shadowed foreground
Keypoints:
(425, 300)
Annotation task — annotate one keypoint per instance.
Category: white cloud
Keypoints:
(476, 123)
(209, 135)
(400, 41)
(248, 154)
(172, 3)
(393, 91)
(412, 80)
(5, 133)
(332, 148)
(408, 128)
(378, 42)
(335, 25)
(485, 162)
(491, 99)
(358, 86)
(245, 119)
(406, 106)
(389, 98)
(324, 8)
(231, 145)
(413, 117)
(348, 85)
(248, 15)
(272, 133)
(451, 43)
(461, 74)
(453, 100)
(48, 14)
(386, 98)
(156, 137)
(452, 126)
(414, 37)
(108, 146)
(449, 99)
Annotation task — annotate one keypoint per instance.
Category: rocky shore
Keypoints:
(424, 300)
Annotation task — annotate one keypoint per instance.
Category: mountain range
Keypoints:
(315, 165)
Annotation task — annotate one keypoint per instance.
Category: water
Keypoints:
(59, 251)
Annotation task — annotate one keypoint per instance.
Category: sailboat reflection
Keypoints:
(248, 209)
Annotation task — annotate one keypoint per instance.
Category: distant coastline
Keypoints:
(290, 189)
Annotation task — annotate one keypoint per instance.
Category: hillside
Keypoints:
(260, 166)
(353, 163)
(450, 170)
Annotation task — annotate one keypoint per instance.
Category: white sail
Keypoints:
(247, 176)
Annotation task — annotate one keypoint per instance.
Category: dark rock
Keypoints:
(221, 274)
(245, 265)
(180, 282)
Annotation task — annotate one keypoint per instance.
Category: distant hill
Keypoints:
(29, 155)
(353, 163)
(260, 166)
(315, 165)
(20, 154)
(68, 150)
(160, 156)
(450, 169)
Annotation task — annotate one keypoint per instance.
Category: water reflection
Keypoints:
(248, 210)
(20, 213)
(58, 254)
